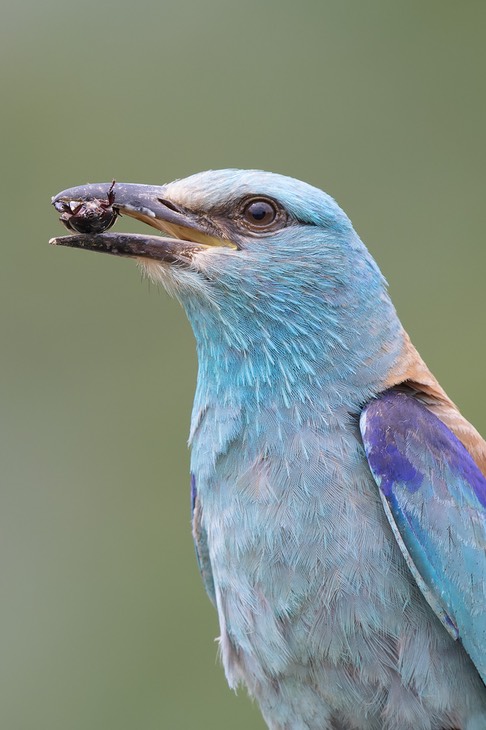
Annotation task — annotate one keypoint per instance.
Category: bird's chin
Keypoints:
(158, 271)
(178, 281)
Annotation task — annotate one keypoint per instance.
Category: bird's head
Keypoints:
(260, 261)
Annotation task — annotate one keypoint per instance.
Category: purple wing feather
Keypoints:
(434, 496)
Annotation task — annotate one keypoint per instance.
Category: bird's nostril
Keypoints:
(169, 204)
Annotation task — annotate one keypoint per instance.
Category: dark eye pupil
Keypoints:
(260, 212)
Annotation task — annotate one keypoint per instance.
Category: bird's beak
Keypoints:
(190, 233)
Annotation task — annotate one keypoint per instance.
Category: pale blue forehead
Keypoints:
(215, 188)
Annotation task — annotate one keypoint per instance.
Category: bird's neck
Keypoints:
(303, 355)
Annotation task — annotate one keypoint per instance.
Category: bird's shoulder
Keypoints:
(412, 375)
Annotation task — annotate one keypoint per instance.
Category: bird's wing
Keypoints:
(434, 496)
(201, 543)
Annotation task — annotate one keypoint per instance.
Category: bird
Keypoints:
(338, 494)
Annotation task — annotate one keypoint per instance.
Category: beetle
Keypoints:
(90, 216)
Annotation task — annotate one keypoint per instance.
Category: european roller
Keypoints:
(338, 494)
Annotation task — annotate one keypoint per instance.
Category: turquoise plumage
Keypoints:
(338, 494)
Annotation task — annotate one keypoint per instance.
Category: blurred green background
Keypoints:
(104, 622)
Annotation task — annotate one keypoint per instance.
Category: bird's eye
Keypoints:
(260, 213)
